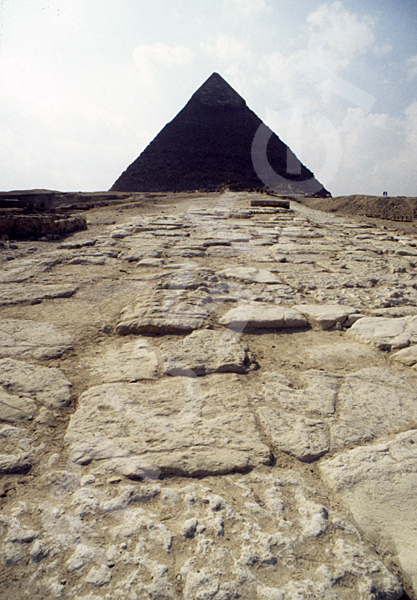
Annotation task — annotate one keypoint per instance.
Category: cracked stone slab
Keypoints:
(32, 339)
(47, 385)
(328, 411)
(385, 333)
(325, 316)
(206, 351)
(376, 483)
(262, 315)
(127, 361)
(169, 311)
(293, 418)
(14, 408)
(373, 402)
(34, 293)
(180, 426)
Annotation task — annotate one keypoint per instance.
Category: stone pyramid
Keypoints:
(217, 141)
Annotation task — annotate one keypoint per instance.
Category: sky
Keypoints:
(85, 85)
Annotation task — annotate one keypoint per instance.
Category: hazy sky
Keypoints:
(85, 85)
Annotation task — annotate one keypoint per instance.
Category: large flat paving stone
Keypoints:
(14, 293)
(32, 339)
(259, 315)
(371, 403)
(325, 316)
(181, 426)
(385, 333)
(171, 311)
(206, 351)
(326, 411)
(47, 385)
(294, 419)
(378, 483)
(15, 408)
(124, 361)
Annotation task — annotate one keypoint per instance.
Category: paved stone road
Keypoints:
(204, 399)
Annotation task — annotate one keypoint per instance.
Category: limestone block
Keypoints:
(372, 402)
(127, 361)
(182, 426)
(384, 333)
(31, 339)
(262, 315)
(406, 356)
(301, 437)
(250, 274)
(47, 385)
(206, 351)
(325, 316)
(34, 293)
(377, 484)
(16, 451)
(170, 311)
(14, 408)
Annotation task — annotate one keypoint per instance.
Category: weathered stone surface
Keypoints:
(373, 402)
(376, 483)
(207, 351)
(173, 310)
(182, 426)
(251, 536)
(303, 421)
(292, 417)
(250, 274)
(47, 385)
(326, 316)
(32, 339)
(406, 356)
(127, 361)
(33, 293)
(14, 408)
(265, 533)
(16, 451)
(262, 315)
(386, 334)
(306, 439)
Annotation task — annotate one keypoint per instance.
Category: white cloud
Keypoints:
(248, 8)
(379, 153)
(412, 67)
(149, 59)
(228, 49)
(344, 33)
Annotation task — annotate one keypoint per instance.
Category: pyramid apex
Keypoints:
(215, 91)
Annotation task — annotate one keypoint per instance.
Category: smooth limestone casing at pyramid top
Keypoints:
(210, 145)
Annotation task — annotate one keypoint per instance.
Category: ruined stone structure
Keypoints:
(214, 142)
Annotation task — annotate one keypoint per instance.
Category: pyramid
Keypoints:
(214, 142)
